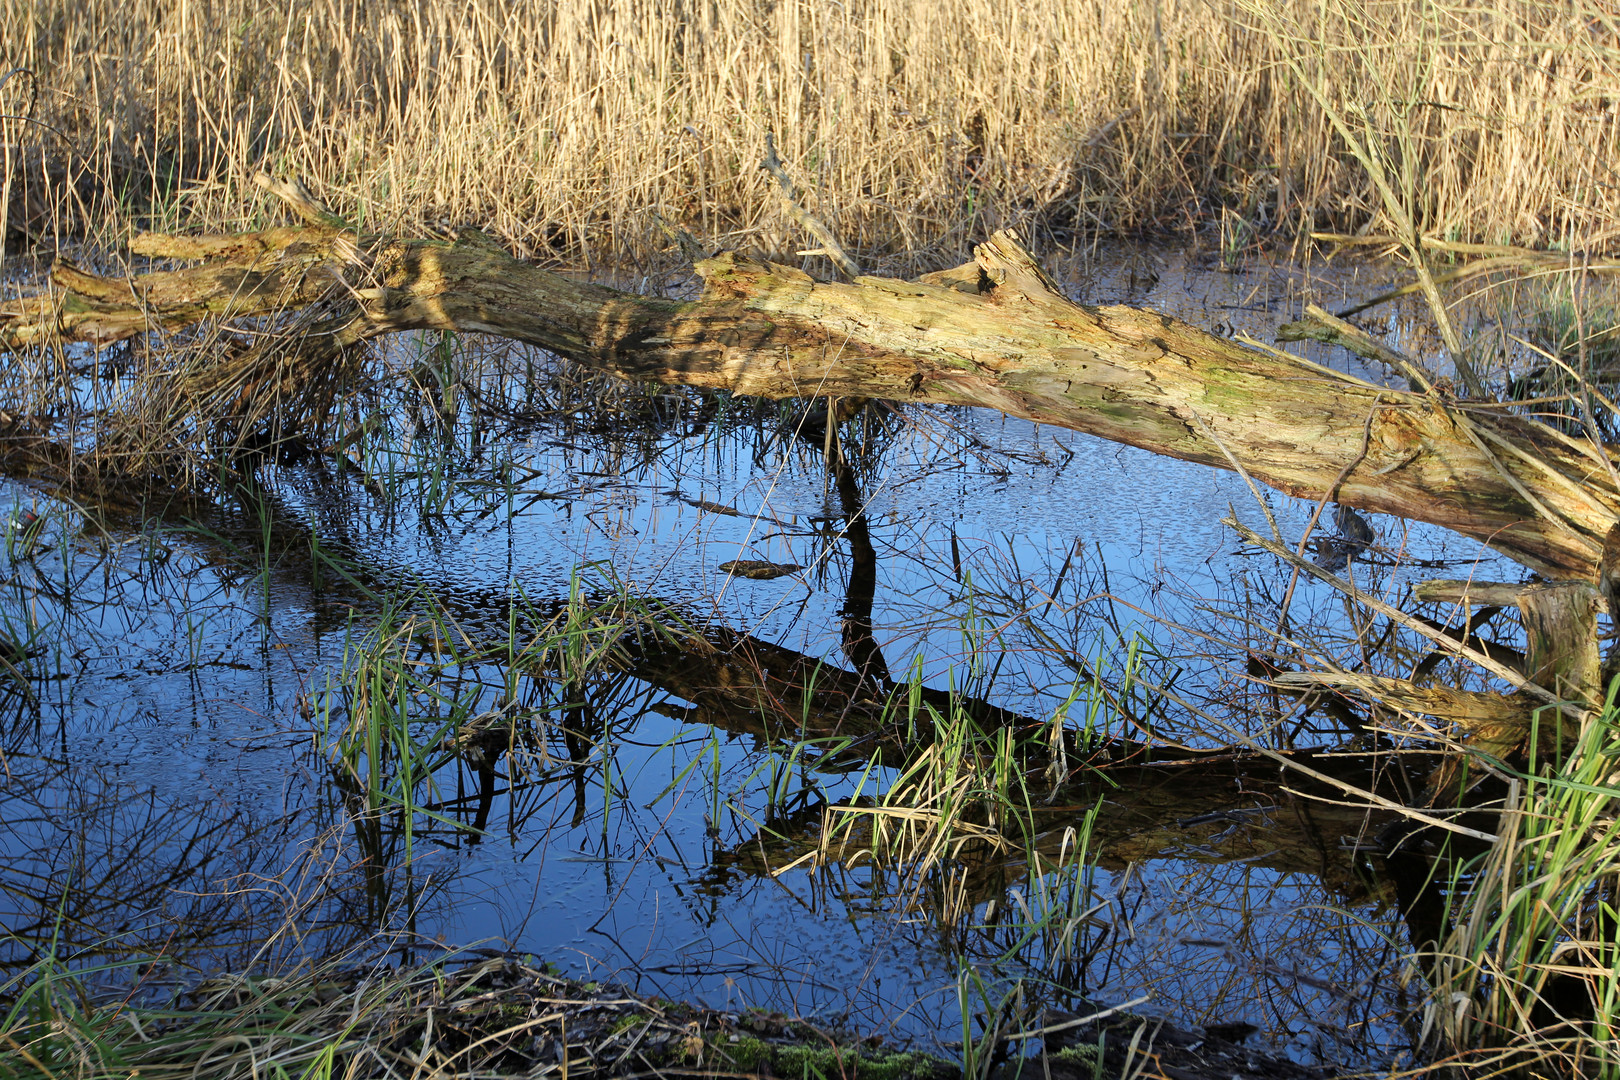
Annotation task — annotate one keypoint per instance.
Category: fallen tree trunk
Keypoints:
(996, 333)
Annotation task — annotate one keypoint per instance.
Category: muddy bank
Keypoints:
(503, 1015)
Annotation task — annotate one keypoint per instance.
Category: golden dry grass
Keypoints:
(563, 125)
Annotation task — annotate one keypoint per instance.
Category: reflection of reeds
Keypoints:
(960, 811)
(570, 127)
(422, 703)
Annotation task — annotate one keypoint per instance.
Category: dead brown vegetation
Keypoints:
(571, 127)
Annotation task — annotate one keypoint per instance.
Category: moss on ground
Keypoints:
(1082, 1054)
(794, 1060)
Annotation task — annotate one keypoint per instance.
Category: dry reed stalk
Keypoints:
(562, 125)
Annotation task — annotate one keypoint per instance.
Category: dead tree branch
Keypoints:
(995, 333)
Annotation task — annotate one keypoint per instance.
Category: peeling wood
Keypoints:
(1471, 593)
(1469, 708)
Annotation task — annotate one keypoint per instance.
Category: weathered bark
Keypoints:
(997, 333)
(1473, 709)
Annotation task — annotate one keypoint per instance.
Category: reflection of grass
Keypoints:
(962, 803)
(966, 818)
(420, 697)
(60, 592)
(378, 750)
(1573, 382)
(967, 787)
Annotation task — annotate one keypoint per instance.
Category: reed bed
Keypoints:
(580, 129)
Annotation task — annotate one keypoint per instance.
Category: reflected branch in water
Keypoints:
(860, 646)
(99, 872)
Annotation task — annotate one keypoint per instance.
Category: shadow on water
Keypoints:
(478, 674)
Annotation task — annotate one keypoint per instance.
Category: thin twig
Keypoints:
(1320, 325)
(1052, 1029)
(1331, 494)
(1500, 670)
(1231, 459)
(1471, 430)
(813, 225)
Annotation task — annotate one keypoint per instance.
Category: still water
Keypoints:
(176, 690)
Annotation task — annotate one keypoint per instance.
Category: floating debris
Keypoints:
(1334, 553)
(1353, 528)
(758, 569)
(705, 504)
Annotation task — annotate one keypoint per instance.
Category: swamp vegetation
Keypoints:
(509, 607)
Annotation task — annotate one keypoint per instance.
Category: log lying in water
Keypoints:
(996, 333)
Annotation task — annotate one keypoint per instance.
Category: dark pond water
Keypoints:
(175, 800)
